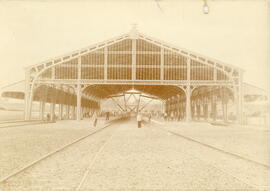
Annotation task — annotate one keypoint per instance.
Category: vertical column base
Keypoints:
(79, 96)
(52, 112)
(41, 110)
(68, 111)
(188, 104)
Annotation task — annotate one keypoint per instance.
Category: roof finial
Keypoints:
(134, 26)
(134, 31)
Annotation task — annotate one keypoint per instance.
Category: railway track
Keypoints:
(215, 148)
(220, 150)
(81, 180)
(230, 154)
(91, 164)
(7, 124)
(32, 164)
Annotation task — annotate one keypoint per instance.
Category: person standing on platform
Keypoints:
(48, 117)
(107, 116)
(95, 119)
(172, 116)
(139, 120)
(149, 117)
(165, 116)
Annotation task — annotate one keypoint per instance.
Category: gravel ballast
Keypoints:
(22, 145)
(61, 171)
(242, 142)
(149, 159)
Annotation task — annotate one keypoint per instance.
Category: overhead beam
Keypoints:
(146, 104)
(115, 96)
(117, 104)
(149, 97)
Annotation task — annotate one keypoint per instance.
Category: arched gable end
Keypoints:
(139, 59)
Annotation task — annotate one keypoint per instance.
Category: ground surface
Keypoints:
(149, 158)
(248, 141)
(24, 144)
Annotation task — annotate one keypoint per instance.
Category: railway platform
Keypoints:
(124, 157)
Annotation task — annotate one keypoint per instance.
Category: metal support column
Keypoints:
(188, 93)
(214, 107)
(79, 96)
(53, 98)
(41, 110)
(198, 108)
(168, 104)
(225, 111)
(178, 106)
(205, 108)
(27, 102)
(68, 111)
(60, 112)
(188, 103)
(73, 112)
(78, 89)
(240, 98)
(52, 111)
(224, 101)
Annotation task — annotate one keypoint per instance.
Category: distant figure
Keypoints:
(48, 117)
(149, 117)
(139, 120)
(90, 114)
(165, 116)
(178, 117)
(107, 116)
(95, 119)
(54, 118)
(172, 116)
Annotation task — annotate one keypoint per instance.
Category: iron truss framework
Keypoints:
(133, 61)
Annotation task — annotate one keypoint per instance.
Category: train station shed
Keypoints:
(189, 84)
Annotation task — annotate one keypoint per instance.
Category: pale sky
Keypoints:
(236, 32)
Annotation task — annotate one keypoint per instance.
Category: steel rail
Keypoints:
(21, 123)
(91, 164)
(259, 187)
(216, 149)
(4, 179)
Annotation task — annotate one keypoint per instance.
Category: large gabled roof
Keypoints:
(134, 34)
